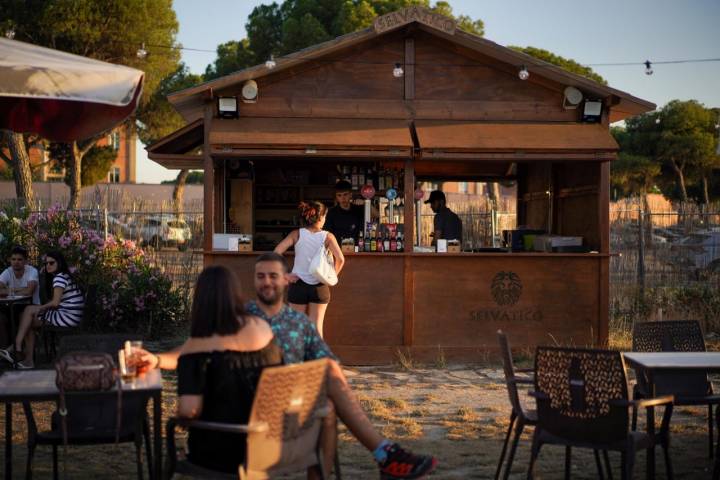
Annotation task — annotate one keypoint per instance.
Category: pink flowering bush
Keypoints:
(126, 293)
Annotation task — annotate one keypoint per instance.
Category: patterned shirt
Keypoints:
(295, 334)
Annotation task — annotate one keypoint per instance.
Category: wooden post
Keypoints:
(408, 243)
(208, 181)
(604, 276)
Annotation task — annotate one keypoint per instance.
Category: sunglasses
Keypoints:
(50, 262)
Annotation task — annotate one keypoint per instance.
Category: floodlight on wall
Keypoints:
(398, 71)
(141, 52)
(250, 92)
(10, 33)
(227, 107)
(571, 98)
(592, 111)
(648, 67)
(523, 74)
(270, 63)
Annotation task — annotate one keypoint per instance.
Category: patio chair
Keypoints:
(689, 388)
(92, 416)
(582, 401)
(519, 413)
(283, 429)
(51, 334)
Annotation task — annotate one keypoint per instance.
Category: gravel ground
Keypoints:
(457, 413)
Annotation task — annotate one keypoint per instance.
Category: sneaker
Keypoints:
(24, 366)
(403, 464)
(7, 354)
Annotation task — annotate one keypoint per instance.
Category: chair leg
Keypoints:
(568, 455)
(668, 463)
(505, 444)
(711, 434)
(598, 464)
(518, 431)
(28, 465)
(634, 418)
(338, 475)
(55, 462)
(606, 457)
(534, 452)
(623, 466)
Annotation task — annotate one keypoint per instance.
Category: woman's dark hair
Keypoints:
(311, 212)
(217, 307)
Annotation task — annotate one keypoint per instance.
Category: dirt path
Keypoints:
(458, 413)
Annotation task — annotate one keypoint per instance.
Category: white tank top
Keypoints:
(306, 248)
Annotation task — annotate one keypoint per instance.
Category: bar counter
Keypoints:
(450, 305)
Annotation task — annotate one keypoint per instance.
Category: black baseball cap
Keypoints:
(435, 195)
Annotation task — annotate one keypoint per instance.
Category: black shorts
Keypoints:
(301, 293)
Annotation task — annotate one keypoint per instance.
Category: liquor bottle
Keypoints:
(373, 243)
(400, 242)
(361, 242)
(367, 242)
(354, 178)
(393, 242)
(381, 180)
(386, 243)
(362, 175)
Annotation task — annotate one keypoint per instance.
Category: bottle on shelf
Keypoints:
(386, 242)
(361, 242)
(361, 177)
(354, 178)
(393, 242)
(373, 242)
(400, 242)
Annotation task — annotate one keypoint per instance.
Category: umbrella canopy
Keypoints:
(61, 96)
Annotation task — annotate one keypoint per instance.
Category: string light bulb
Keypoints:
(270, 63)
(398, 71)
(648, 67)
(141, 52)
(523, 74)
(10, 34)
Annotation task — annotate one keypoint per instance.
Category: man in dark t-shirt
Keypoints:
(345, 219)
(447, 225)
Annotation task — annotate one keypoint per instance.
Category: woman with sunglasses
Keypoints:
(64, 309)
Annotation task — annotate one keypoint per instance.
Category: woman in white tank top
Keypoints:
(306, 294)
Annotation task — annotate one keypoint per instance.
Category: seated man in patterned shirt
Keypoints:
(299, 341)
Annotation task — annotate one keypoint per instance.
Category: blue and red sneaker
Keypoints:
(401, 464)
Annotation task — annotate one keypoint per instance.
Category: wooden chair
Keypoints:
(283, 429)
(688, 388)
(91, 417)
(582, 401)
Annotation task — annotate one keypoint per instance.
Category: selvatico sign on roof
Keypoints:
(414, 14)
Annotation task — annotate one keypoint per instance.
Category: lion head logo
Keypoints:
(506, 288)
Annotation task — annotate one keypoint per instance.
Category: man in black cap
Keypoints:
(447, 224)
(345, 219)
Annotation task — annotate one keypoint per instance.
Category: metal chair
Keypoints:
(688, 388)
(519, 413)
(91, 417)
(283, 429)
(582, 401)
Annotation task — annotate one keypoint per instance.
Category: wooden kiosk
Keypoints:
(457, 110)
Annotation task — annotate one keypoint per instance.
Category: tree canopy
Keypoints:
(565, 63)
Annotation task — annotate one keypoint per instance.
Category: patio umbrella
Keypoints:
(61, 96)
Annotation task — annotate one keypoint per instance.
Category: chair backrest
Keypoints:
(509, 369)
(668, 336)
(576, 387)
(291, 401)
(672, 336)
(106, 343)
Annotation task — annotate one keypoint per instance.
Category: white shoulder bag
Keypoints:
(322, 267)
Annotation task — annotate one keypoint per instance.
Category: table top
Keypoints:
(707, 361)
(14, 298)
(40, 384)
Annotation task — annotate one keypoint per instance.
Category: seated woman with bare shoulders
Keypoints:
(219, 368)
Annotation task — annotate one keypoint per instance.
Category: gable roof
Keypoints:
(623, 105)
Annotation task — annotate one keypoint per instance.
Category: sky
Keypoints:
(612, 31)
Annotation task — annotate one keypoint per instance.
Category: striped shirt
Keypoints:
(70, 311)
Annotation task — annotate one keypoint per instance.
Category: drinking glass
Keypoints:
(125, 373)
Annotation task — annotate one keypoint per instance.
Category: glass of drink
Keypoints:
(125, 373)
(132, 354)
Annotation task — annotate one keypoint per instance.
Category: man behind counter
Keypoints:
(345, 219)
(447, 224)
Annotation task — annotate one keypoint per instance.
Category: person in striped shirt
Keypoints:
(64, 309)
